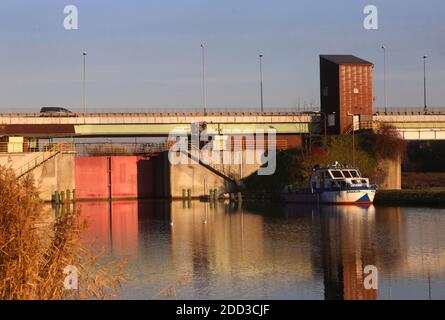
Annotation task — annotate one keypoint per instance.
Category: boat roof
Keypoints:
(337, 166)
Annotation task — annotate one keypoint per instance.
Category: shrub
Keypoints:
(294, 167)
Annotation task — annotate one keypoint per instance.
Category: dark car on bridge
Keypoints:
(56, 112)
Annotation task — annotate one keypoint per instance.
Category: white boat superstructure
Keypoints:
(335, 184)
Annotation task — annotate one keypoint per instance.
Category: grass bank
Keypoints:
(430, 198)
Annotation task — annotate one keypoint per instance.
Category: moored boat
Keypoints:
(335, 184)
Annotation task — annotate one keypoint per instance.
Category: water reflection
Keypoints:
(296, 252)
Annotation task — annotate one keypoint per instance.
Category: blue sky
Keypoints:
(146, 54)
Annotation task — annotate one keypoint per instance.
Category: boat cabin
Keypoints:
(337, 176)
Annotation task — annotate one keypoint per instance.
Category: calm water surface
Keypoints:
(196, 251)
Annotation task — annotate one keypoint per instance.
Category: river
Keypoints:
(198, 251)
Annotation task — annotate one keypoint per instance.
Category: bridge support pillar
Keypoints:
(392, 174)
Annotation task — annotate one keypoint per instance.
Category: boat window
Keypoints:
(354, 173)
(347, 174)
(336, 174)
(364, 181)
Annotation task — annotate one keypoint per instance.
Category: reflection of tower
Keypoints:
(390, 226)
(347, 237)
(330, 249)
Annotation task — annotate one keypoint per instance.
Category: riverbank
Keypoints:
(430, 198)
(421, 198)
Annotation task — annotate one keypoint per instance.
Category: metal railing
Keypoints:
(27, 147)
(116, 148)
(409, 111)
(363, 125)
(237, 112)
(50, 152)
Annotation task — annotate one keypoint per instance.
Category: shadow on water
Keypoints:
(266, 252)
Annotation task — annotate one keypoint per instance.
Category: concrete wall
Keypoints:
(57, 174)
(194, 176)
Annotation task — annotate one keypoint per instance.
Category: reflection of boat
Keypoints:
(335, 184)
(204, 198)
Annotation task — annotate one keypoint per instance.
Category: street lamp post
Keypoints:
(385, 80)
(425, 107)
(85, 109)
(204, 89)
(261, 82)
(353, 138)
(325, 125)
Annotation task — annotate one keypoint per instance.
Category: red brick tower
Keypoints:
(345, 88)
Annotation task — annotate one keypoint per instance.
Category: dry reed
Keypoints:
(34, 251)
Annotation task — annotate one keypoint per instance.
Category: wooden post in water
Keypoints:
(189, 194)
(215, 194)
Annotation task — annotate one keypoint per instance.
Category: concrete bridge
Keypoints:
(411, 125)
(148, 124)
(58, 170)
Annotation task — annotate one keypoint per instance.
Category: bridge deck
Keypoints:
(411, 125)
(157, 118)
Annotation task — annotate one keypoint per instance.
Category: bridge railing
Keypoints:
(100, 148)
(33, 147)
(409, 111)
(210, 113)
(115, 148)
(363, 125)
(49, 152)
(246, 144)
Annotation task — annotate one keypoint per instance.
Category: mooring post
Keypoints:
(215, 194)
(189, 194)
(62, 197)
(74, 195)
(57, 212)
